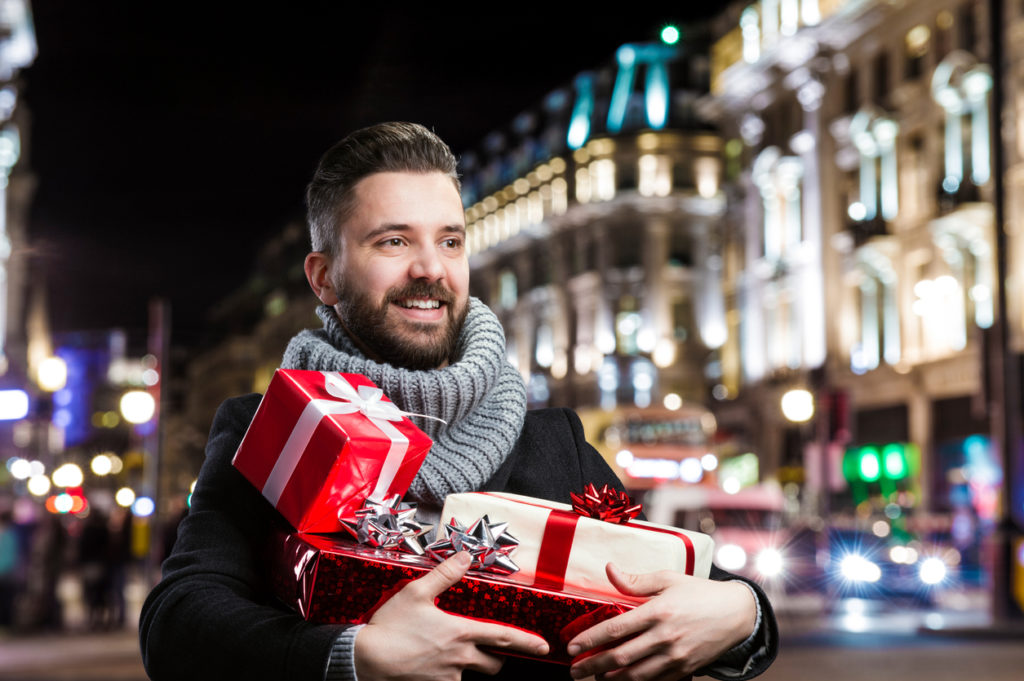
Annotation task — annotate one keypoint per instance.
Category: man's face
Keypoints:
(401, 273)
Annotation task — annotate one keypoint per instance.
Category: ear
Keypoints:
(318, 270)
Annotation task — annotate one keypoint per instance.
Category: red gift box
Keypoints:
(323, 442)
(332, 581)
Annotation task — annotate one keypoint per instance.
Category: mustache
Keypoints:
(420, 289)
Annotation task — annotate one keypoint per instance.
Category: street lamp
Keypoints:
(798, 405)
(137, 406)
(52, 374)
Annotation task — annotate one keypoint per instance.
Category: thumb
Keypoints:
(647, 584)
(445, 575)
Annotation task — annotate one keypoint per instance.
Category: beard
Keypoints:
(402, 343)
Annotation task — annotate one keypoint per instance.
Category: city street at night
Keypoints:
(812, 650)
(298, 302)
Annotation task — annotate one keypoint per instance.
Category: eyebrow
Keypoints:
(402, 228)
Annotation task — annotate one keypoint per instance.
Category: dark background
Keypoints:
(169, 143)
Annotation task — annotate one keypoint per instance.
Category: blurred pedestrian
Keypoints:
(120, 559)
(10, 564)
(94, 549)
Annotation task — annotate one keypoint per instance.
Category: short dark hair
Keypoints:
(381, 148)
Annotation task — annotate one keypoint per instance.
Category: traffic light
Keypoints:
(885, 465)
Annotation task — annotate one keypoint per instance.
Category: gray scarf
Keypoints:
(480, 396)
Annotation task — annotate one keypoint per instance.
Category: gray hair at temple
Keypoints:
(381, 148)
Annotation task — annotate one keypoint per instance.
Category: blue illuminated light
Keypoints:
(579, 124)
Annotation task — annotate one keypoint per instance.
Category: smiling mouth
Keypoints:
(419, 303)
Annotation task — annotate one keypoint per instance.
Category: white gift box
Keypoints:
(559, 547)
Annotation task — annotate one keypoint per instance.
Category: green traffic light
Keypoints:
(870, 466)
(895, 461)
(670, 35)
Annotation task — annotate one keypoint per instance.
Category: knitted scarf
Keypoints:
(480, 396)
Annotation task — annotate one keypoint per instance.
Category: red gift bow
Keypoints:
(607, 504)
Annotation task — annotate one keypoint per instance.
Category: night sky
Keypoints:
(169, 144)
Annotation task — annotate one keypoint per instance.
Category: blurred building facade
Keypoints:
(867, 222)
(595, 231)
(800, 197)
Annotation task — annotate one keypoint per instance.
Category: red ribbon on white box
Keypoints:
(365, 399)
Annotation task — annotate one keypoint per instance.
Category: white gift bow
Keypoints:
(366, 400)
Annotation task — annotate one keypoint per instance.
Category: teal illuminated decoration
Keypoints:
(579, 124)
(656, 87)
(670, 35)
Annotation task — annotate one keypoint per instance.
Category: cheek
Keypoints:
(458, 278)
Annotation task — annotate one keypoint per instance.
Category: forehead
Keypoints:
(428, 200)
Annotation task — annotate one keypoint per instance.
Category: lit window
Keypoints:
(508, 294)
(655, 175)
(559, 196)
(583, 189)
(602, 176)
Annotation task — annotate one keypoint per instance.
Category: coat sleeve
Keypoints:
(211, 616)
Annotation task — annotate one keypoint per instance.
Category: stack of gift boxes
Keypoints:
(334, 456)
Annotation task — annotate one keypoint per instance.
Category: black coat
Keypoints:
(212, 615)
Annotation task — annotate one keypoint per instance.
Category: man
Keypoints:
(390, 267)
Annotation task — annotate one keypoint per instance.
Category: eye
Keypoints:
(452, 243)
(392, 242)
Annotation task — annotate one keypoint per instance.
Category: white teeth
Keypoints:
(422, 304)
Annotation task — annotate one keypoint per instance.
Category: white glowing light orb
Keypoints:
(13, 405)
(731, 557)
(143, 507)
(63, 503)
(20, 468)
(709, 462)
(769, 563)
(672, 401)
(932, 571)
(137, 406)
(690, 470)
(125, 497)
(38, 485)
(101, 464)
(52, 374)
(857, 568)
(731, 485)
(68, 475)
(798, 405)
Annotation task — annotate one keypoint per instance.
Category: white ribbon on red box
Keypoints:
(365, 399)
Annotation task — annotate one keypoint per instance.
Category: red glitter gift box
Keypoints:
(332, 581)
(322, 442)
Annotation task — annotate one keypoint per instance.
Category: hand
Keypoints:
(687, 623)
(410, 638)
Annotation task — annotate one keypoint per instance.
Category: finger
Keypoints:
(648, 584)
(445, 575)
(643, 672)
(609, 631)
(485, 663)
(509, 638)
(632, 652)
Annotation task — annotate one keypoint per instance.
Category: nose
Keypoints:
(426, 264)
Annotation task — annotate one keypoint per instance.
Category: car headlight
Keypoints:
(769, 563)
(731, 557)
(932, 571)
(856, 568)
